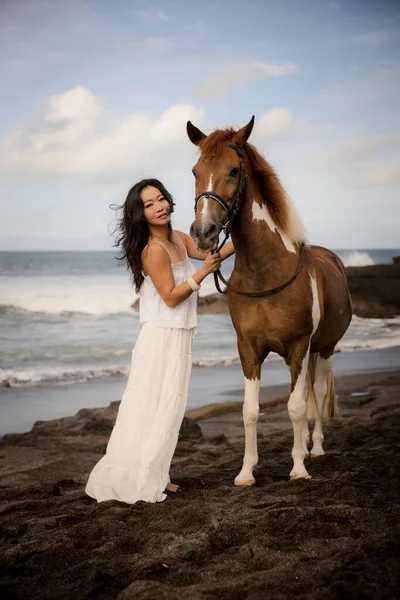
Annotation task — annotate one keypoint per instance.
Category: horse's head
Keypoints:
(220, 179)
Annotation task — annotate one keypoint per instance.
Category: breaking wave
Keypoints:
(357, 259)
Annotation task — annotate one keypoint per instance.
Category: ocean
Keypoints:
(66, 318)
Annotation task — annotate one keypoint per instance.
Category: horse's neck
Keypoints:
(262, 250)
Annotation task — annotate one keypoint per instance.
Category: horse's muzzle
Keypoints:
(206, 238)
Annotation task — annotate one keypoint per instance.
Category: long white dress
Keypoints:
(142, 443)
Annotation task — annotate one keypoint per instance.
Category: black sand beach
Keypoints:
(333, 536)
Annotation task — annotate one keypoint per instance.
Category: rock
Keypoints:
(214, 304)
(375, 289)
(97, 426)
(189, 430)
(136, 305)
(372, 309)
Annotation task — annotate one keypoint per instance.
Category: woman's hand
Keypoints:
(212, 263)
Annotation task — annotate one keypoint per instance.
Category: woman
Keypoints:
(139, 452)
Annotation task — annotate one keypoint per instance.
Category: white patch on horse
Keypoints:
(296, 230)
(297, 402)
(316, 311)
(261, 213)
(322, 369)
(250, 418)
(298, 413)
(204, 210)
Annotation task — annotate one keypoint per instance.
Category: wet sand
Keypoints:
(334, 536)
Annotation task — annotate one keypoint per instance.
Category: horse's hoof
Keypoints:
(246, 482)
(316, 454)
(299, 476)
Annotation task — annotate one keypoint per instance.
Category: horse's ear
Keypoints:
(243, 134)
(195, 135)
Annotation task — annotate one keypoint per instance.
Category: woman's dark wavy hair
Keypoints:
(132, 231)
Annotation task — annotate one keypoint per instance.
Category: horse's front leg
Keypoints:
(251, 365)
(297, 407)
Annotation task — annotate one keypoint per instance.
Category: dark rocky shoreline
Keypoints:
(375, 290)
(335, 536)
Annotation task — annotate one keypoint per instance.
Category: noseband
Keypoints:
(232, 210)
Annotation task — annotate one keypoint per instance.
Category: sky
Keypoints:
(95, 95)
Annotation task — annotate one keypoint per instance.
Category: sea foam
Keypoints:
(357, 259)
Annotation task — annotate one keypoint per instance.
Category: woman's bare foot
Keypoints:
(173, 487)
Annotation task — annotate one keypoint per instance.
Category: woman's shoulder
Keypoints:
(183, 236)
(155, 251)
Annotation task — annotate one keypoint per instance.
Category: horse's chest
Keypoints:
(278, 323)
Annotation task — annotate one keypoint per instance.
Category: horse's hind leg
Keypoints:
(297, 407)
(323, 369)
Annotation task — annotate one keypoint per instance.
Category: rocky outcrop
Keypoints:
(87, 422)
(215, 304)
(375, 289)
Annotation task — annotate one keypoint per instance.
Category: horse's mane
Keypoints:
(273, 194)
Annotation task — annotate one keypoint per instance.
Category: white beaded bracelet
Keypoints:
(195, 286)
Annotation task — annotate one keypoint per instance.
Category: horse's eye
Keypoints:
(234, 172)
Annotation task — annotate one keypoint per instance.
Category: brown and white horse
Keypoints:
(309, 308)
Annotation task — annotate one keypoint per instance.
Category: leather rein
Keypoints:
(232, 211)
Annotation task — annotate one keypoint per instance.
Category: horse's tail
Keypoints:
(330, 406)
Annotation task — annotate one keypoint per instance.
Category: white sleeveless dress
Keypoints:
(142, 443)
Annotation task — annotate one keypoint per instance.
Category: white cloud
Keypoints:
(151, 15)
(69, 139)
(378, 37)
(221, 81)
(362, 163)
(158, 44)
(274, 124)
(274, 70)
(383, 175)
(357, 149)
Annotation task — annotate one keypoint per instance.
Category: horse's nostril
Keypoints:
(208, 232)
(211, 231)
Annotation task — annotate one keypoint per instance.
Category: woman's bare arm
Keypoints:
(227, 250)
(157, 265)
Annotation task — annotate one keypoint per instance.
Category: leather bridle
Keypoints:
(232, 211)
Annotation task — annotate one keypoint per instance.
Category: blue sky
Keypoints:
(96, 94)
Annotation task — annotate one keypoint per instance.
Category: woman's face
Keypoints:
(156, 208)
